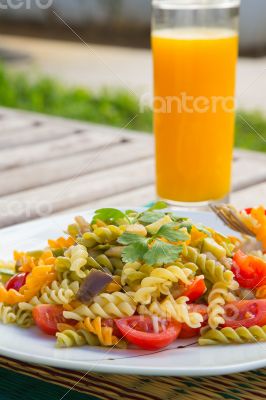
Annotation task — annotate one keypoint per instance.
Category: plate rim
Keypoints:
(105, 366)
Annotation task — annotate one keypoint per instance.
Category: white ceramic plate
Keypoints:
(181, 358)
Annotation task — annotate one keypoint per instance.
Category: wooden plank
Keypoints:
(248, 154)
(249, 171)
(8, 113)
(13, 125)
(50, 199)
(19, 179)
(133, 198)
(249, 197)
(13, 113)
(36, 133)
(35, 153)
(65, 122)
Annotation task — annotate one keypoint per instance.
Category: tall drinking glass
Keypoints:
(195, 48)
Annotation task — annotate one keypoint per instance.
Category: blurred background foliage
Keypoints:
(110, 107)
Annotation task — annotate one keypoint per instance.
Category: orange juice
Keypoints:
(194, 75)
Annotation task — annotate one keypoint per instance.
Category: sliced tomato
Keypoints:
(250, 271)
(186, 331)
(47, 316)
(196, 289)
(140, 331)
(17, 281)
(245, 313)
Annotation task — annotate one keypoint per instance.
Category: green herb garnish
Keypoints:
(173, 235)
(152, 250)
(110, 215)
(149, 217)
(162, 253)
(160, 205)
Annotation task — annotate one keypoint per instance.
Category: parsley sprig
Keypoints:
(118, 217)
(156, 249)
(110, 215)
(153, 250)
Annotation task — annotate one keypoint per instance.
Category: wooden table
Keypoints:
(50, 165)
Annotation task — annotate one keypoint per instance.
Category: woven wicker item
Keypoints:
(244, 386)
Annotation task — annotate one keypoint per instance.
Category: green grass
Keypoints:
(109, 107)
(251, 131)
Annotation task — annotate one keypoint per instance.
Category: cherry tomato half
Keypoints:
(47, 316)
(196, 289)
(186, 331)
(245, 313)
(17, 281)
(250, 271)
(139, 330)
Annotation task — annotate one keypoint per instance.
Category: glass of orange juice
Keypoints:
(195, 49)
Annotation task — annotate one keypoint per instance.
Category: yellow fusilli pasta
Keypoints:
(217, 298)
(78, 259)
(134, 272)
(105, 305)
(160, 282)
(7, 314)
(58, 293)
(179, 310)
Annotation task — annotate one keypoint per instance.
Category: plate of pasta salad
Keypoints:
(151, 291)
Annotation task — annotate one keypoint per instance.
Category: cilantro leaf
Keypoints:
(160, 205)
(129, 238)
(149, 217)
(173, 235)
(135, 251)
(136, 246)
(129, 212)
(162, 253)
(110, 215)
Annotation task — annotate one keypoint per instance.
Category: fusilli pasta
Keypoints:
(71, 338)
(7, 314)
(106, 305)
(211, 269)
(237, 336)
(217, 298)
(120, 266)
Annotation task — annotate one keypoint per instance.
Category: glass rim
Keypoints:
(195, 4)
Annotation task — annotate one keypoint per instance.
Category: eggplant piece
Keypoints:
(92, 285)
